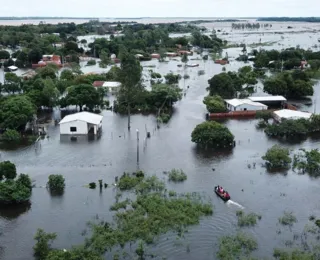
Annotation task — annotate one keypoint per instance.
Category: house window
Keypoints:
(245, 109)
(73, 129)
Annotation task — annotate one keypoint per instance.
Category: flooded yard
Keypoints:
(84, 161)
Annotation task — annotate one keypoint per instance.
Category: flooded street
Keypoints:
(169, 147)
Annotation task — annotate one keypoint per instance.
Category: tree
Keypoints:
(164, 95)
(14, 192)
(212, 134)
(12, 83)
(130, 78)
(289, 128)
(275, 86)
(24, 180)
(56, 183)
(301, 88)
(67, 75)
(43, 244)
(8, 170)
(277, 157)
(16, 111)
(113, 74)
(83, 95)
(307, 162)
(4, 55)
(222, 85)
(47, 72)
(215, 104)
(35, 55)
(184, 58)
(50, 93)
(172, 78)
(11, 136)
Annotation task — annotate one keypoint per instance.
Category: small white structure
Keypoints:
(81, 124)
(12, 68)
(244, 105)
(279, 115)
(268, 99)
(112, 86)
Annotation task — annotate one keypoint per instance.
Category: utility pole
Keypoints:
(137, 147)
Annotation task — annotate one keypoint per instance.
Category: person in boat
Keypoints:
(221, 190)
(226, 195)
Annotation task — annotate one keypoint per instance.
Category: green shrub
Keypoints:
(92, 185)
(24, 180)
(247, 219)
(176, 175)
(8, 170)
(11, 136)
(91, 63)
(277, 157)
(212, 134)
(287, 219)
(56, 183)
(120, 205)
(43, 244)
(264, 114)
(262, 124)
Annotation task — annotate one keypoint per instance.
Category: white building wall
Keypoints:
(247, 107)
(82, 128)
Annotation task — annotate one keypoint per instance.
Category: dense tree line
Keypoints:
(233, 84)
(295, 84)
(290, 19)
(291, 58)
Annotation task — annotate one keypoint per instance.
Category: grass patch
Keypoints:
(318, 222)
(120, 205)
(261, 124)
(293, 254)
(176, 175)
(153, 213)
(250, 219)
(236, 247)
(288, 219)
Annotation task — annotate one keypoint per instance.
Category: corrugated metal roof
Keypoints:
(111, 84)
(90, 118)
(267, 98)
(237, 102)
(292, 114)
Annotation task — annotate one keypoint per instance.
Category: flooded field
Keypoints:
(169, 147)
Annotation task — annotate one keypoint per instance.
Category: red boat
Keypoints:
(223, 195)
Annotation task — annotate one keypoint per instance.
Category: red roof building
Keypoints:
(47, 59)
(98, 83)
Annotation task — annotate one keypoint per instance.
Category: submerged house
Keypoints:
(244, 105)
(111, 86)
(270, 101)
(284, 114)
(81, 123)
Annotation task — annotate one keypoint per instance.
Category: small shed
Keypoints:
(12, 68)
(81, 123)
(244, 105)
(270, 101)
(112, 86)
(279, 115)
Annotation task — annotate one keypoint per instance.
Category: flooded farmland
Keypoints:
(84, 161)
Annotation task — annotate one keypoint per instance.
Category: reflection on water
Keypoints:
(11, 212)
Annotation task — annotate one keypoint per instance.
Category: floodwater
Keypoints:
(169, 147)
